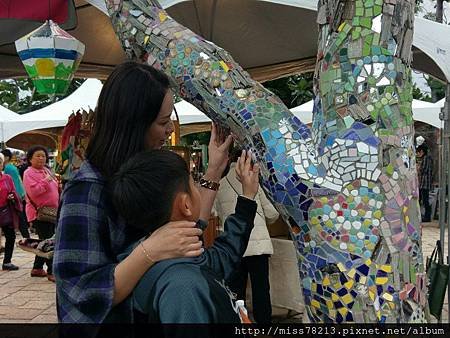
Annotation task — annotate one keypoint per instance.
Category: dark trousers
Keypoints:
(44, 230)
(258, 269)
(23, 223)
(424, 199)
(10, 240)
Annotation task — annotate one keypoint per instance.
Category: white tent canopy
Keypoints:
(56, 114)
(432, 38)
(6, 116)
(187, 113)
(426, 112)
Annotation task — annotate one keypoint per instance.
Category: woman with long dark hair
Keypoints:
(132, 115)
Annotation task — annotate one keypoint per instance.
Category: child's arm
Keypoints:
(228, 249)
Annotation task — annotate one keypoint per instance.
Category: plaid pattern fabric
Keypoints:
(89, 237)
(426, 173)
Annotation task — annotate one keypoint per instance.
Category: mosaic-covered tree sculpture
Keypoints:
(348, 186)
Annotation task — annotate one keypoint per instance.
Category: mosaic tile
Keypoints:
(346, 187)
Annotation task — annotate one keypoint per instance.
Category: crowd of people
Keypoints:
(24, 192)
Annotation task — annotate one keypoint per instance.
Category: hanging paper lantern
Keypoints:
(51, 57)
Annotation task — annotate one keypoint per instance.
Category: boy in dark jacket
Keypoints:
(154, 188)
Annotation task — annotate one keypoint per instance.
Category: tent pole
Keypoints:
(444, 180)
(446, 165)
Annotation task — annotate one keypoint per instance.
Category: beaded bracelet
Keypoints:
(146, 254)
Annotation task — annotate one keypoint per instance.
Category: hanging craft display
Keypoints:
(73, 144)
(50, 56)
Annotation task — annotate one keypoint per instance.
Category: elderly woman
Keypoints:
(41, 189)
(10, 206)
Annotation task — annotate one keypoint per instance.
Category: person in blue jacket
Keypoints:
(155, 187)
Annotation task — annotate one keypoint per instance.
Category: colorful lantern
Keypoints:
(50, 56)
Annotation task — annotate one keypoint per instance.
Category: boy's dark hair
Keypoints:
(129, 103)
(7, 153)
(144, 188)
(34, 149)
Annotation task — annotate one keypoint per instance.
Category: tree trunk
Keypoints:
(348, 188)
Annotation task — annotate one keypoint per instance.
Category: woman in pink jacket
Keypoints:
(41, 189)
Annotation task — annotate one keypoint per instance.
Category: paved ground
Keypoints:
(24, 299)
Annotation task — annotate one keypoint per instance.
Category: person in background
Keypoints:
(256, 258)
(12, 171)
(23, 165)
(425, 176)
(41, 188)
(10, 206)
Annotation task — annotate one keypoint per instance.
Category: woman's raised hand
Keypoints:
(217, 154)
(248, 174)
(174, 240)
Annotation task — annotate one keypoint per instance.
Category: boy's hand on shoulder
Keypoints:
(248, 175)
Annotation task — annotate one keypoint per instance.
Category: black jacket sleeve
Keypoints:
(228, 249)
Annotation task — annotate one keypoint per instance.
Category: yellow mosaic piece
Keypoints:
(315, 303)
(388, 297)
(349, 284)
(386, 268)
(341, 267)
(330, 304)
(347, 298)
(343, 311)
(224, 66)
(381, 280)
(351, 273)
(162, 16)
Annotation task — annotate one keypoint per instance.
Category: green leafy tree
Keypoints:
(419, 95)
(437, 88)
(419, 4)
(293, 90)
(20, 96)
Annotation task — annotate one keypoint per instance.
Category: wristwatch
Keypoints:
(209, 184)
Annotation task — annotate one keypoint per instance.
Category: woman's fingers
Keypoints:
(193, 247)
(194, 253)
(213, 138)
(255, 169)
(248, 162)
(226, 144)
(239, 164)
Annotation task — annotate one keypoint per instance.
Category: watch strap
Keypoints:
(209, 184)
